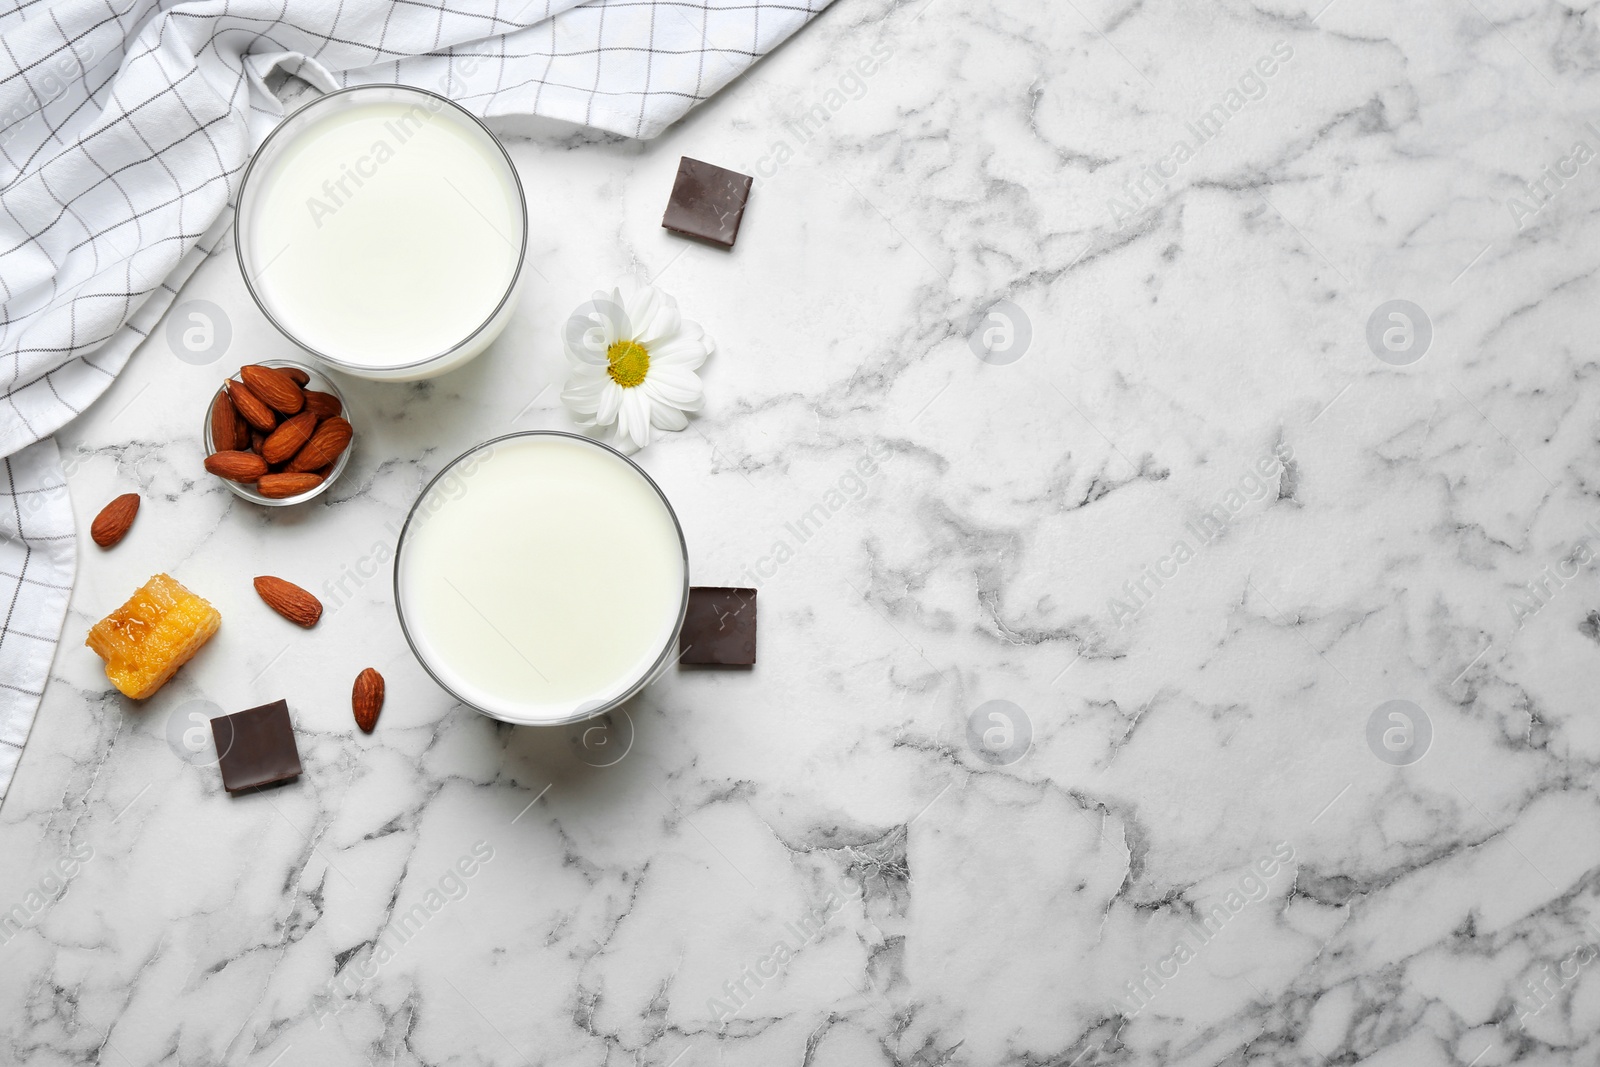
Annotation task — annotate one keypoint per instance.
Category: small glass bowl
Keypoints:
(322, 384)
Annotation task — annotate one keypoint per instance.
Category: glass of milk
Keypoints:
(542, 578)
(383, 229)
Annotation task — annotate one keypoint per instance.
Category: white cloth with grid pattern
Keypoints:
(123, 135)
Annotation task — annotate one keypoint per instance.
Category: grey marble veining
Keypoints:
(1072, 739)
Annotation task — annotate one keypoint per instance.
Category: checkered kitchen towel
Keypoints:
(126, 124)
(36, 565)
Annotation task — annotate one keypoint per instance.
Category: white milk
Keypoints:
(540, 577)
(384, 233)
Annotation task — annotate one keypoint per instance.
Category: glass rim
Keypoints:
(241, 232)
(581, 712)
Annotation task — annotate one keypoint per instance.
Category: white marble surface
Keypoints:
(981, 914)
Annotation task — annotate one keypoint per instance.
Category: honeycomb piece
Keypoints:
(145, 641)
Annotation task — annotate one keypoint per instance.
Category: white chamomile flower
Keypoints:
(632, 361)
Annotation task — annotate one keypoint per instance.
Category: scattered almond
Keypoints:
(111, 525)
(366, 699)
(325, 405)
(236, 466)
(276, 388)
(289, 600)
(326, 445)
(254, 410)
(286, 440)
(279, 486)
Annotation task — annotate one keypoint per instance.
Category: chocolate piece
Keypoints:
(720, 627)
(707, 202)
(256, 747)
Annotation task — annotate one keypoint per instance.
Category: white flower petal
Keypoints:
(677, 376)
(666, 417)
(572, 335)
(687, 353)
(583, 398)
(662, 327)
(613, 314)
(583, 390)
(633, 421)
(640, 307)
(610, 404)
(671, 385)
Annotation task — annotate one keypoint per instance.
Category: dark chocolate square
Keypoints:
(256, 747)
(707, 202)
(720, 627)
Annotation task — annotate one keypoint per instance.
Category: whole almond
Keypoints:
(366, 699)
(224, 424)
(296, 375)
(289, 600)
(326, 445)
(236, 466)
(111, 525)
(252, 407)
(275, 387)
(286, 440)
(280, 485)
(326, 405)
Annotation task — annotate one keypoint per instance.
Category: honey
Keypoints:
(158, 630)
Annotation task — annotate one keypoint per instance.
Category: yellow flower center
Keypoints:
(630, 362)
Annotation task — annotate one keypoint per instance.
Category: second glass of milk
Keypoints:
(542, 578)
(383, 229)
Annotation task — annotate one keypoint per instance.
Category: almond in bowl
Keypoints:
(277, 433)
